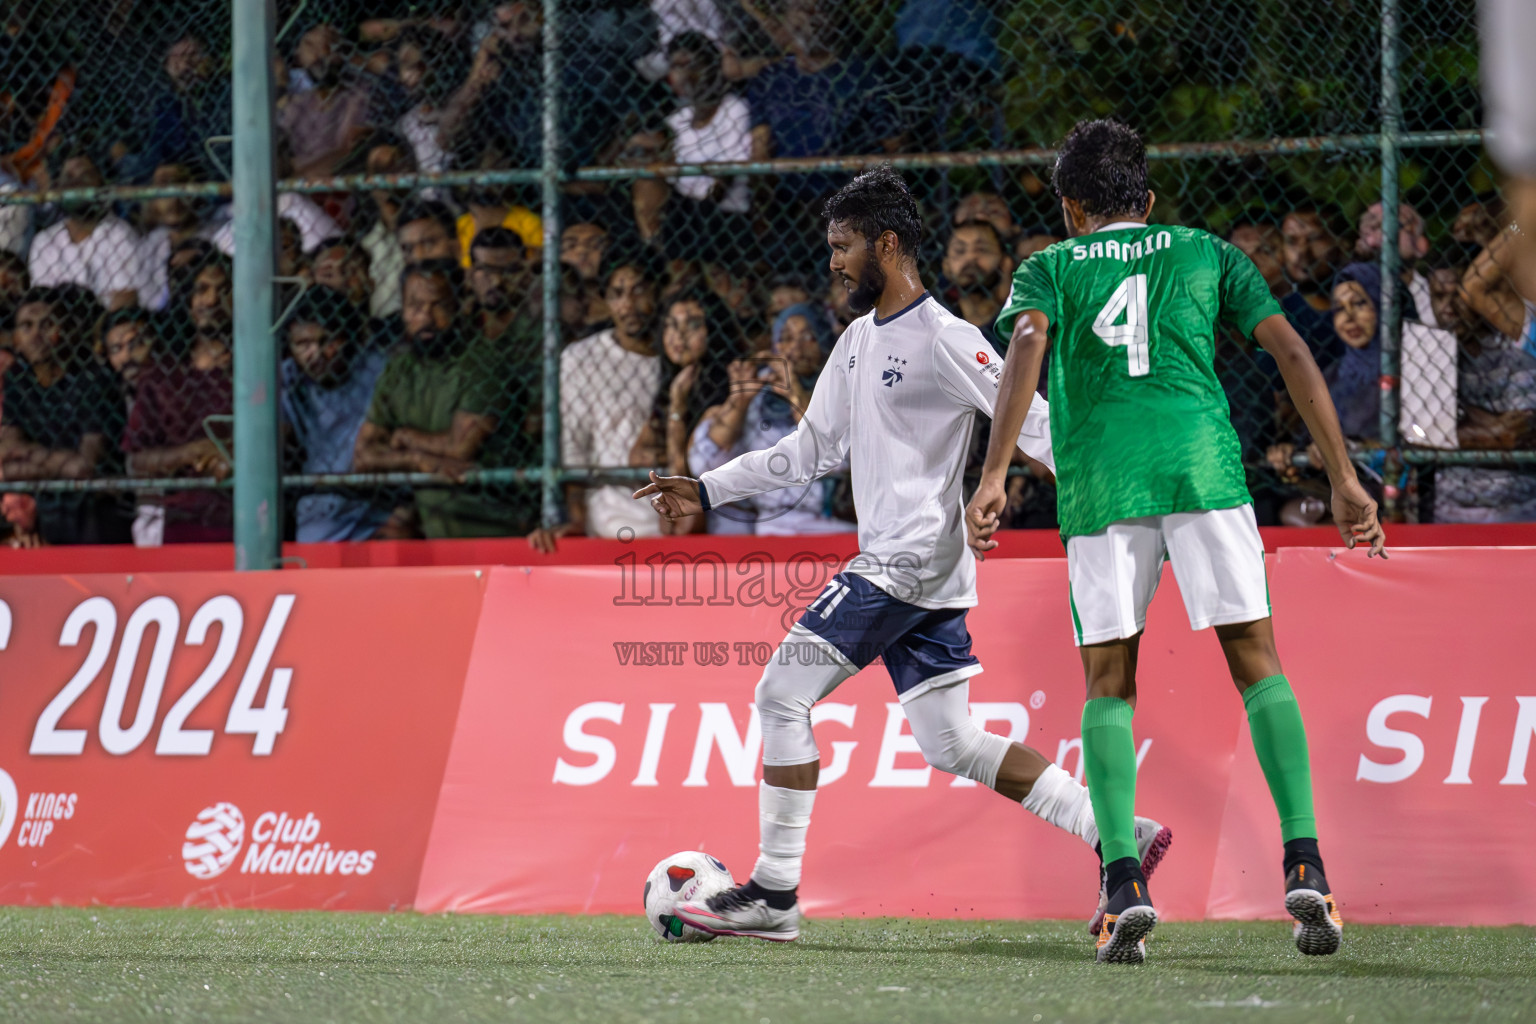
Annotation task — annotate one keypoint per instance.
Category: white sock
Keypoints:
(783, 816)
(1059, 799)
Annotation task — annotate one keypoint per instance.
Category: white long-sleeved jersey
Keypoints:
(1509, 80)
(897, 397)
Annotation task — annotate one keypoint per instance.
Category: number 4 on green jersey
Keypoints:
(1139, 421)
(1129, 300)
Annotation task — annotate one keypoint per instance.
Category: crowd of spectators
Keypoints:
(695, 311)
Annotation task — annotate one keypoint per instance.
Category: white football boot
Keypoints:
(733, 912)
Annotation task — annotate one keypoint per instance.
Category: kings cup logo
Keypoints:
(213, 840)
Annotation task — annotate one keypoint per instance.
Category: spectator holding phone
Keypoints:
(767, 398)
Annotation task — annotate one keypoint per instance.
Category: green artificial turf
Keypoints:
(130, 965)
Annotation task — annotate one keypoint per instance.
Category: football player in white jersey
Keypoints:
(897, 398)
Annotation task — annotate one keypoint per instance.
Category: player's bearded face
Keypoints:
(864, 289)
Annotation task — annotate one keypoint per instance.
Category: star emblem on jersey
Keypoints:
(892, 376)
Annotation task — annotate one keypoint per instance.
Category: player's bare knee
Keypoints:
(1110, 668)
(1111, 683)
(1250, 651)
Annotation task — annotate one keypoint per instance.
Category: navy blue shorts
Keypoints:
(922, 648)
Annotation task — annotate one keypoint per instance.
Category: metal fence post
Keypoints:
(551, 194)
(1391, 328)
(258, 489)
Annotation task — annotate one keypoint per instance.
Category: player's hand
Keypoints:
(1354, 512)
(984, 514)
(543, 539)
(674, 497)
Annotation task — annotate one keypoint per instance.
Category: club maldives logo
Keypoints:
(213, 840)
(281, 844)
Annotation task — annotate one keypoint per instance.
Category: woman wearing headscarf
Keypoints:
(1354, 384)
(768, 395)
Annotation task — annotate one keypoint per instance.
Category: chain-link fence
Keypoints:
(512, 282)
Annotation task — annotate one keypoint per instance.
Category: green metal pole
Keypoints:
(551, 186)
(1391, 309)
(258, 470)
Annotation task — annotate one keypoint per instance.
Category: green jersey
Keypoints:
(1139, 422)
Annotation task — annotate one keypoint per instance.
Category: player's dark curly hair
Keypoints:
(1103, 166)
(875, 202)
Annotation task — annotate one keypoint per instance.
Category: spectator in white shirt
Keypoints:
(313, 223)
(608, 383)
(711, 126)
(90, 247)
(169, 222)
(385, 261)
(423, 62)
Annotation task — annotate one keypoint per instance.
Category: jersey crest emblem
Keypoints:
(892, 375)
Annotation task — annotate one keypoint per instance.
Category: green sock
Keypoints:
(1280, 740)
(1109, 762)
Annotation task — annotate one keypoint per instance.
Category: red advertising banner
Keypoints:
(1420, 703)
(577, 764)
(264, 739)
(534, 739)
(629, 734)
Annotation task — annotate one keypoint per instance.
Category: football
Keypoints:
(685, 876)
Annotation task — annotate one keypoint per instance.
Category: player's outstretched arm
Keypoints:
(1353, 510)
(1015, 393)
(675, 497)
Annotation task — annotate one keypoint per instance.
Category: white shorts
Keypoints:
(1217, 558)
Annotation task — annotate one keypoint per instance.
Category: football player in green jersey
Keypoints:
(1148, 467)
